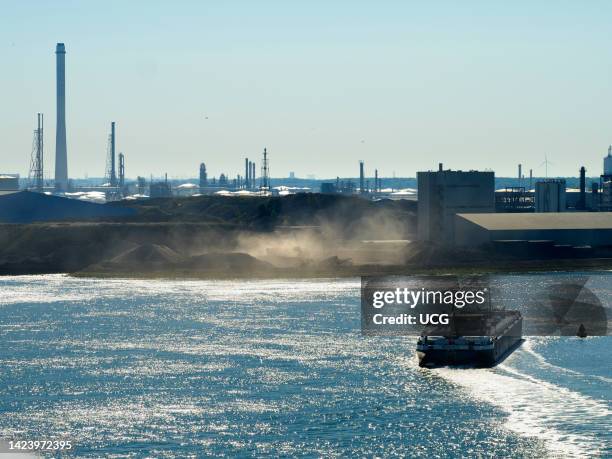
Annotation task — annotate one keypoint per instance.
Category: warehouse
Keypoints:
(562, 228)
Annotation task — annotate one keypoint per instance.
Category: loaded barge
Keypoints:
(458, 346)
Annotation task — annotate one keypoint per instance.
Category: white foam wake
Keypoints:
(528, 347)
(569, 424)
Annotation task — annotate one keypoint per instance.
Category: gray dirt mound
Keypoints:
(227, 262)
(334, 262)
(153, 254)
(27, 207)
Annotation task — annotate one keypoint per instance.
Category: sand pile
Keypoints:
(148, 254)
(227, 262)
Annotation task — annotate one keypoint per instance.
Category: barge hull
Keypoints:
(472, 351)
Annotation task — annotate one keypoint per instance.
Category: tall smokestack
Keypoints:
(61, 155)
(253, 179)
(247, 173)
(121, 170)
(582, 202)
(113, 171)
(361, 178)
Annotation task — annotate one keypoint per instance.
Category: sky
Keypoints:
(321, 84)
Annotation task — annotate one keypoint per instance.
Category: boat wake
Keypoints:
(568, 423)
(528, 347)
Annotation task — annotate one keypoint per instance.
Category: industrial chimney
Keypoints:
(376, 189)
(113, 170)
(61, 155)
(361, 178)
(247, 173)
(582, 201)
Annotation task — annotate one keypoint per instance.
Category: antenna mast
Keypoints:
(36, 177)
(265, 172)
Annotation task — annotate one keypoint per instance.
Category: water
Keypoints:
(151, 368)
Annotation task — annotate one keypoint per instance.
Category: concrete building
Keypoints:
(603, 195)
(444, 193)
(606, 197)
(550, 196)
(61, 155)
(562, 228)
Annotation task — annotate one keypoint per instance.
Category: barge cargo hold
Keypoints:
(504, 335)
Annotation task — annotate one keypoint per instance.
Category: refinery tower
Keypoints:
(61, 155)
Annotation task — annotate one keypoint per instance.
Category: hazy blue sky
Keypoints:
(322, 84)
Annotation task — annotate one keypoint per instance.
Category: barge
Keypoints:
(458, 346)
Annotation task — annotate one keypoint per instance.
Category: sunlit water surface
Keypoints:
(178, 368)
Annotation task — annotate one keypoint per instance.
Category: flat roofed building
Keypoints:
(568, 228)
(444, 193)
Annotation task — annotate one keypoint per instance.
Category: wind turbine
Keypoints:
(546, 163)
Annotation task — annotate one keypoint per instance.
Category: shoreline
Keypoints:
(525, 266)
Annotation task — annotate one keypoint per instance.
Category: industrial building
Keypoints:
(550, 196)
(444, 193)
(605, 184)
(160, 189)
(561, 228)
(575, 199)
(606, 197)
(514, 199)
